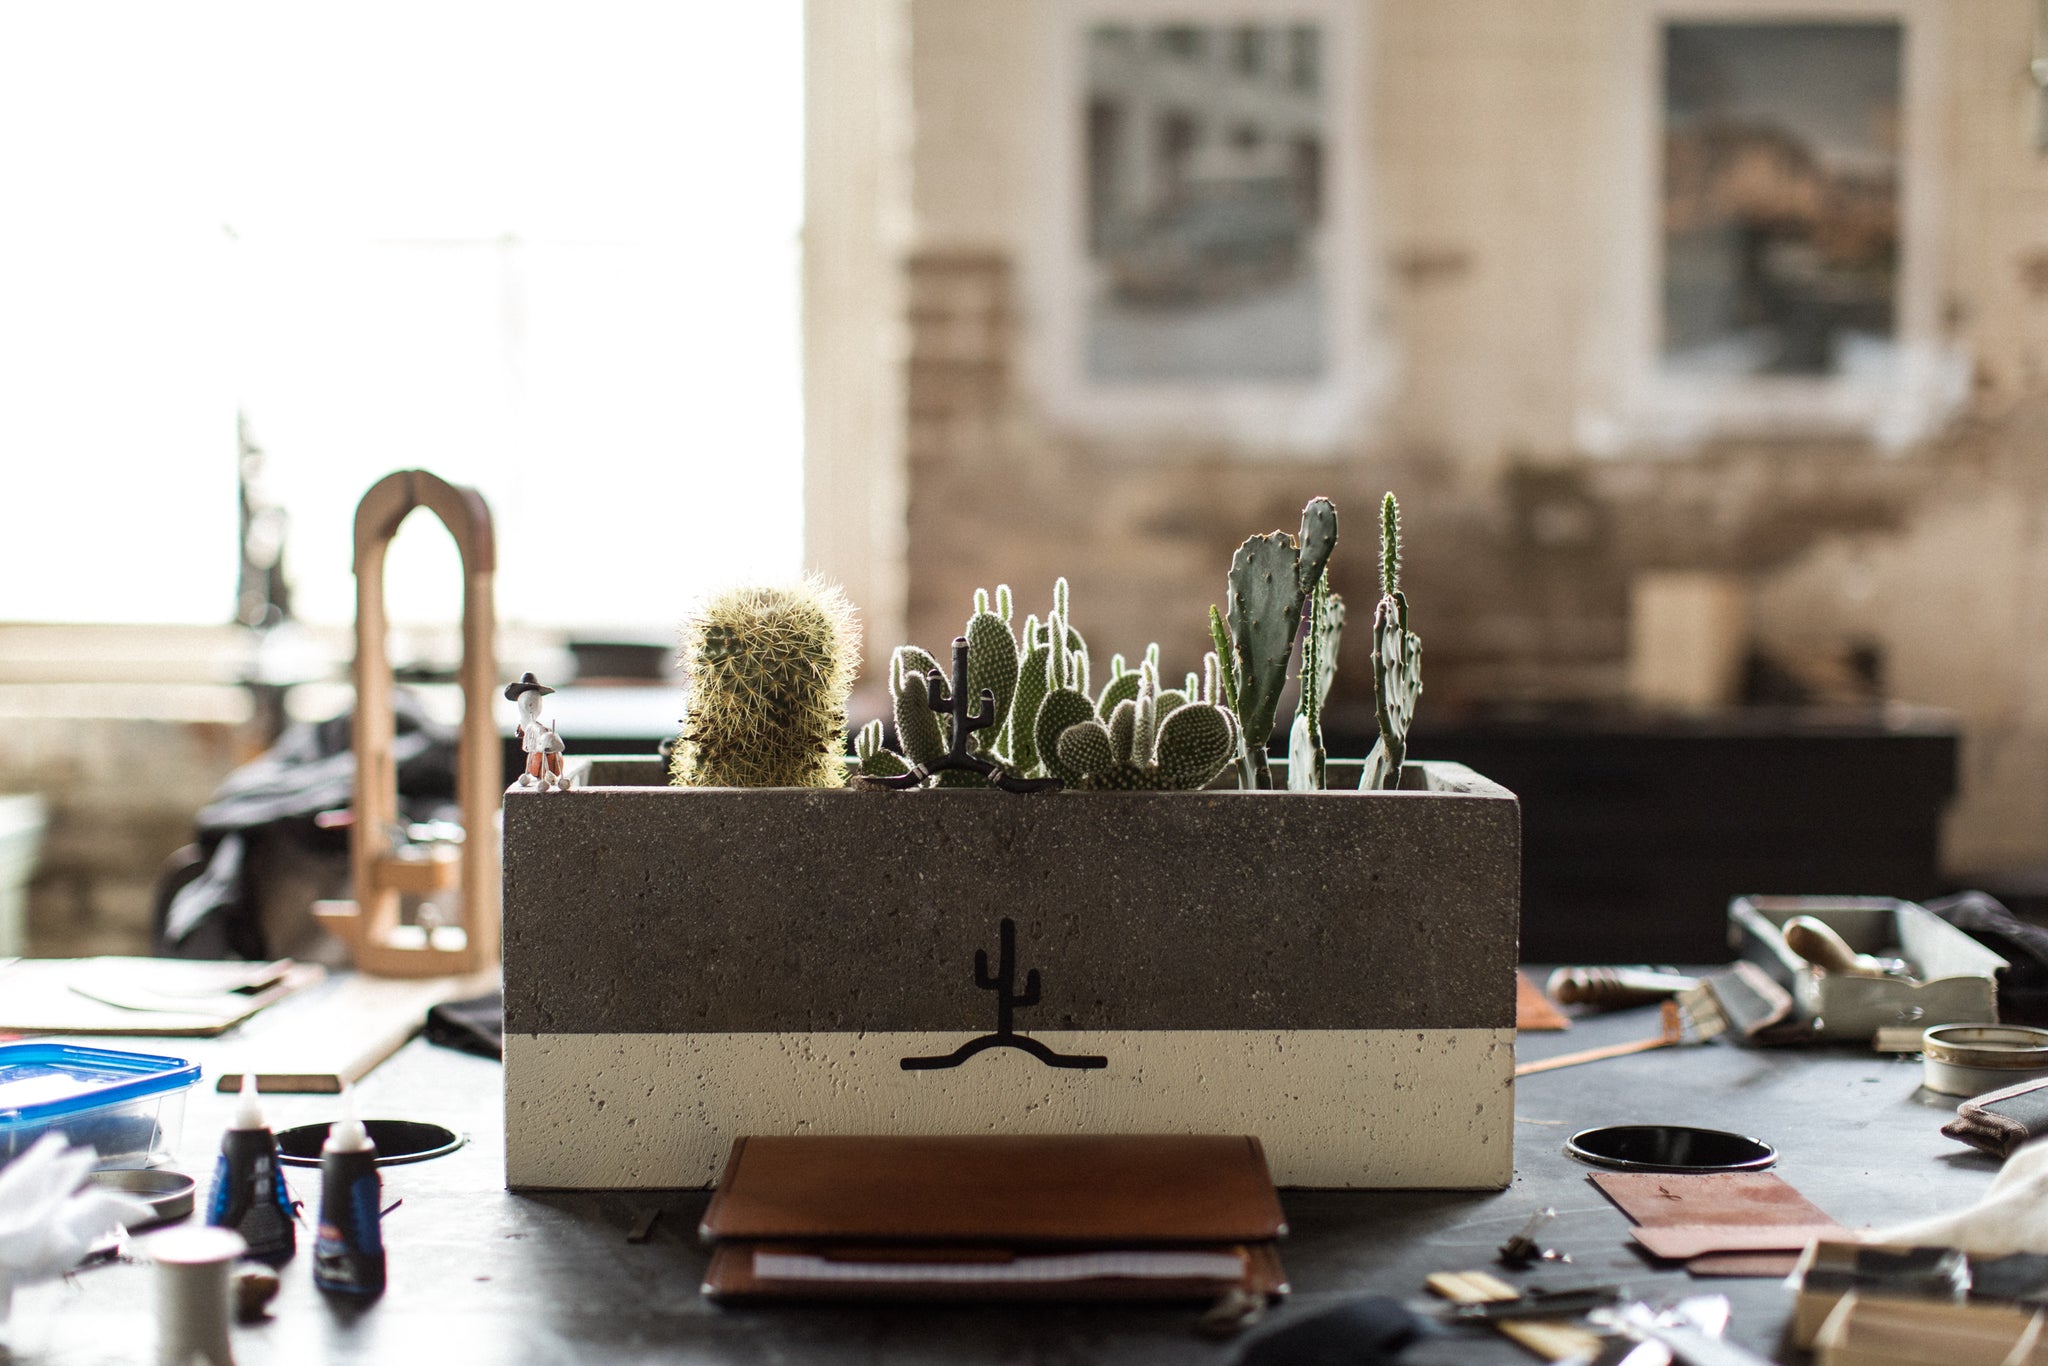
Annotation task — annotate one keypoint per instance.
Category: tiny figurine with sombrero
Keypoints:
(542, 745)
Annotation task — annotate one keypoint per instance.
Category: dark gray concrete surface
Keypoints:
(663, 911)
(481, 1275)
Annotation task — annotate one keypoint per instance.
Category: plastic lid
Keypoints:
(44, 1082)
(347, 1134)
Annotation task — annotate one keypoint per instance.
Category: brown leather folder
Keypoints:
(1129, 1216)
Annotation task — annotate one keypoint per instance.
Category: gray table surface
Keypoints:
(480, 1274)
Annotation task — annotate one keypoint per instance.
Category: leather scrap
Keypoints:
(1682, 1242)
(1720, 1223)
(2000, 1122)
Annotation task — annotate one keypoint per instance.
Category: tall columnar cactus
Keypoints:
(1270, 577)
(768, 670)
(1306, 760)
(1396, 660)
(1139, 748)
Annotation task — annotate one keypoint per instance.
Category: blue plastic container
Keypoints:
(129, 1107)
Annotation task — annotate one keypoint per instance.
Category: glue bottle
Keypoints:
(348, 1257)
(249, 1194)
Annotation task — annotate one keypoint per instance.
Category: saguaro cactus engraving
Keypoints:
(1003, 982)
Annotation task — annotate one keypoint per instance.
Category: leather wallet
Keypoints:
(1999, 1122)
(994, 1217)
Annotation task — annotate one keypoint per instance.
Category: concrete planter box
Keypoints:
(1331, 971)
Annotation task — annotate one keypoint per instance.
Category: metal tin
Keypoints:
(1669, 1148)
(1954, 978)
(169, 1193)
(397, 1141)
(1970, 1059)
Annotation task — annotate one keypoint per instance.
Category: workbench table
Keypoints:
(479, 1274)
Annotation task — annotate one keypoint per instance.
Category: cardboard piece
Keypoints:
(142, 997)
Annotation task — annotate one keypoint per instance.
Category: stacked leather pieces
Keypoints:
(995, 1217)
(1719, 1223)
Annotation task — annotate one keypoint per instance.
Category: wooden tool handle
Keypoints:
(1816, 942)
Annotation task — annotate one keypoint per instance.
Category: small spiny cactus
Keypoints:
(768, 669)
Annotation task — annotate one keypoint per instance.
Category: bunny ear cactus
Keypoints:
(769, 668)
(875, 761)
(917, 722)
(992, 660)
(1396, 660)
(1137, 750)
(1271, 577)
(1307, 762)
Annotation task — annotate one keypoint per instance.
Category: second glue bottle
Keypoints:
(348, 1256)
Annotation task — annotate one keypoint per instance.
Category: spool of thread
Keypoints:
(192, 1294)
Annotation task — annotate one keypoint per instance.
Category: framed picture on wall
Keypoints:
(1780, 196)
(1779, 273)
(1202, 272)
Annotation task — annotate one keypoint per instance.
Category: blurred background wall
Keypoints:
(1705, 343)
(1508, 191)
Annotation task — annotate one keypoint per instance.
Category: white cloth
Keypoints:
(47, 1223)
(2012, 1216)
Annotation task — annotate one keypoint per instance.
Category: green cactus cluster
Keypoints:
(767, 669)
(1396, 660)
(1271, 576)
(1039, 682)
(1153, 740)
(1137, 733)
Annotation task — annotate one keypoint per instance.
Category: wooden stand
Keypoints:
(382, 868)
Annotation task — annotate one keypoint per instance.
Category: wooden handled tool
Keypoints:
(1816, 942)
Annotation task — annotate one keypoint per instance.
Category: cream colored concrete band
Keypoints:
(1360, 1108)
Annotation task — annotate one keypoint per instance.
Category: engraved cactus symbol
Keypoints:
(1007, 1000)
(1003, 982)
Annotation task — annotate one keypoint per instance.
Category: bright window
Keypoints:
(551, 252)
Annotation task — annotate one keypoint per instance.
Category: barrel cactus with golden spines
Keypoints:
(768, 669)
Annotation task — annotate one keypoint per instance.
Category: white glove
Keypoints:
(47, 1223)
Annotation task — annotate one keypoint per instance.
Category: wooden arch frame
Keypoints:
(384, 869)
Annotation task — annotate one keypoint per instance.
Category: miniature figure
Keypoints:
(542, 745)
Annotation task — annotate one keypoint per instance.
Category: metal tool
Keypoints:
(1538, 1303)
(1690, 1330)
(1517, 1252)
